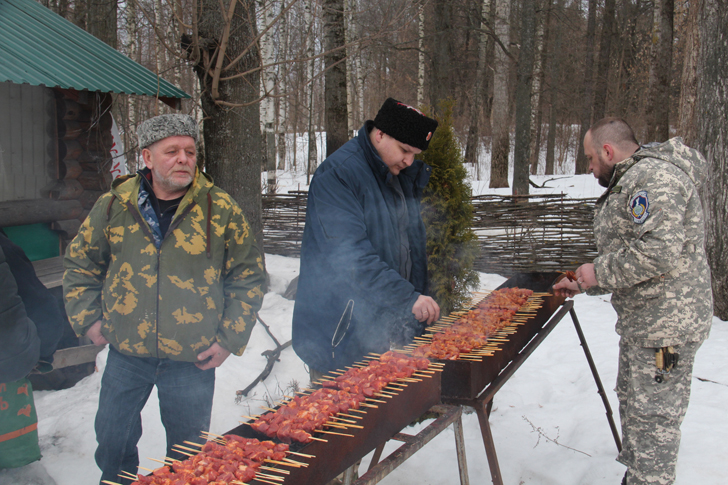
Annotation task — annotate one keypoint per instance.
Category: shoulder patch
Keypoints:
(639, 206)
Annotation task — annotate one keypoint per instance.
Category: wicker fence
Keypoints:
(516, 233)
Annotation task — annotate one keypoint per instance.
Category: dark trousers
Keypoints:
(185, 404)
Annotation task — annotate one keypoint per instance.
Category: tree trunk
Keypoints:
(442, 54)
(521, 156)
(421, 55)
(658, 107)
(267, 90)
(500, 117)
(102, 20)
(232, 134)
(582, 165)
(713, 143)
(337, 132)
(689, 80)
(539, 74)
(310, 51)
(478, 99)
(554, 73)
(605, 50)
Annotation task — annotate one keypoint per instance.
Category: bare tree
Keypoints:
(658, 106)
(588, 97)
(605, 50)
(227, 63)
(500, 117)
(337, 132)
(712, 140)
(521, 155)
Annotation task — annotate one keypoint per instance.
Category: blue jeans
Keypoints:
(185, 404)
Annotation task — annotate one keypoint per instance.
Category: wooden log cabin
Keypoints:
(56, 93)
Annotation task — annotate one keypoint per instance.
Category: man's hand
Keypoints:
(94, 333)
(216, 355)
(426, 310)
(585, 278)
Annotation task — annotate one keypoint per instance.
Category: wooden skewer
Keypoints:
(159, 461)
(110, 482)
(371, 399)
(269, 477)
(335, 425)
(193, 443)
(334, 432)
(213, 434)
(128, 475)
(319, 439)
(357, 410)
(348, 421)
(277, 470)
(298, 463)
(257, 480)
(145, 469)
(349, 415)
(300, 454)
(185, 448)
(367, 405)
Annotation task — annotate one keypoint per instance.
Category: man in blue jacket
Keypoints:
(363, 279)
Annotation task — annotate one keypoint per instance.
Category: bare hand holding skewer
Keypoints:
(583, 279)
(426, 310)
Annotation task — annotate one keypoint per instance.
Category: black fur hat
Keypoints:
(405, 124)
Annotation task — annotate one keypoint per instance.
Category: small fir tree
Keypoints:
(448, 213)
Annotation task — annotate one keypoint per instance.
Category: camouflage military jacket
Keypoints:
(649, 231)
(204, 285)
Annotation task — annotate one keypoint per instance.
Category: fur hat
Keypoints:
(160, 127)
(405, 124)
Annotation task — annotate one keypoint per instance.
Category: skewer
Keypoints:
(334, 432)
(184, 448)
(300, 454)
(160, 461)
(145, 469)
(213, 434)
(110, 482)
(367, 405)
(277, 470)
(350, 426)
(344, 420)
(371, 399)
(349, 415)
(257, 480)
(319, 439)
(128, 476)
(193, 443)
(269, 477)
(357, 410)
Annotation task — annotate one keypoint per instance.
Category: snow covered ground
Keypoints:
(548, 421)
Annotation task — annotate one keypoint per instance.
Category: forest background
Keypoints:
(526, 79)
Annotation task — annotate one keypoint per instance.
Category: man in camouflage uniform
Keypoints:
(648, 227)
(166, 271)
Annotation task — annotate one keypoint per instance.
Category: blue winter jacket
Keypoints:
(351, 297)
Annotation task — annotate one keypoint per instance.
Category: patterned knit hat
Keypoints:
(405, 124)
(160, 127)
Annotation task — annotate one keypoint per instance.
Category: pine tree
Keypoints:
(447, 212)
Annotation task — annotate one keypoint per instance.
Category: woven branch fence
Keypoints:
(516, 234)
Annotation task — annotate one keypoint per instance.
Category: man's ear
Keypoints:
(147, 157)
(609, 151)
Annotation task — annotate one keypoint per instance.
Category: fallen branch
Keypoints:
(273, 356)
(702, 379)
(554, 441)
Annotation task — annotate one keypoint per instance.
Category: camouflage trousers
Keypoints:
(651, 413)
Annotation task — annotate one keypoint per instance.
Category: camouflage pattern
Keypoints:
(173, 302)
(651, 412)
(160, 127)
(652, 256)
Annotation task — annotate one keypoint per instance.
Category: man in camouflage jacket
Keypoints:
(165, 269)
(649, 231)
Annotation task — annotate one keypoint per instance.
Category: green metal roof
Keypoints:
(39, 47)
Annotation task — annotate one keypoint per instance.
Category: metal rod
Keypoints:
(597, 380)
(495, 473)
(387, 466)
(460, 448)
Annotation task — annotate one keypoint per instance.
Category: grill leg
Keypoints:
(597, 380)
(482, 409)
(460, 447)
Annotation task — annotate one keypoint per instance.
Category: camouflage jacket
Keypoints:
(649, 231)
(204, 285)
